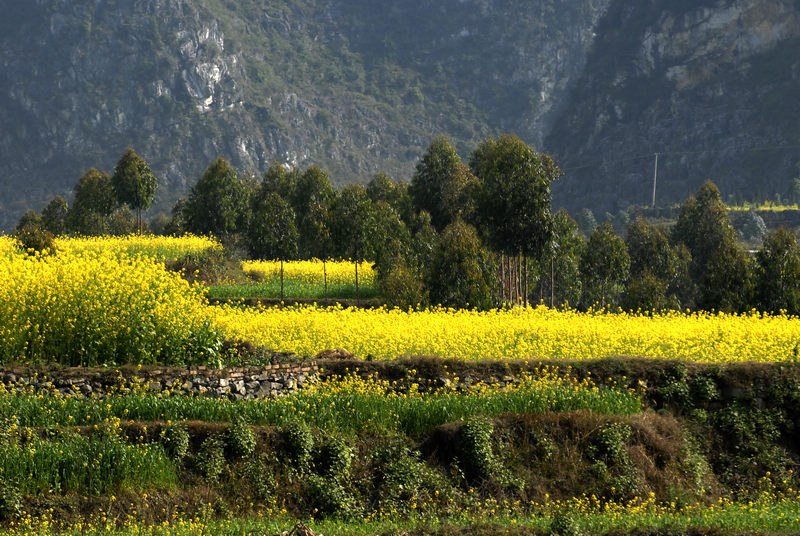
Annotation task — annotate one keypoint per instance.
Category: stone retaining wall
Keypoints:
(233, 383)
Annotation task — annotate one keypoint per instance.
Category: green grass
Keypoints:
(348, 406)
(70, 462)
(298, 290)
(778, 517)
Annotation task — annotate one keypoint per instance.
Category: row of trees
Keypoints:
(103, 203)
(476, 234)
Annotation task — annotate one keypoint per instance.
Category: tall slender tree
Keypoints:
(134, 183)
(512, 197)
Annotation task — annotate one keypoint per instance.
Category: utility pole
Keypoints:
(655, 178)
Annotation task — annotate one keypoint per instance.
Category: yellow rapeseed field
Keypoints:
(163, 248)
(313, 272)
(518, 333)
(92, 307)
(89, 304)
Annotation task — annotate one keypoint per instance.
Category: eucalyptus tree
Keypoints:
(134, 183)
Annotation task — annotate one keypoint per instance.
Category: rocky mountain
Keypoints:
(356, 87)
(713, 86)
(363, 86)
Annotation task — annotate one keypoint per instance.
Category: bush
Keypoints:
(10, 501)
(241, 439)
(398, 474)
(176, 442)
(298, 443)
(211, 459)
(475, 441)
(564, 524)
(400, 287)
(609, 443)
(34, 237)
(333, 458)
(328, 497)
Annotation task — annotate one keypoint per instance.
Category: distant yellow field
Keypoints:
(314, 271)
(90, 304)
(533, 333)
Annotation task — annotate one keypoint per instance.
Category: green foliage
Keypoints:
(777, 273)
(398, 475)
(217, 203)
(564, 524)
(352, 223)
(241, 439)
(560, 266)
(461, 273)
(718, 264)
(441, 183)
(94, 200)
(59, 463)
(586, 222)
(752, 443)
(512, 196)
(608, 444)
(475, 448)
(133, 183)
(646, 292)
(32, 236)
(298, 443)
(94, 192)
(272, 233)
(123, 222)
(401, 287)
(396, 193)
(604, 267)
(175, 440)
(328, 497)
(210, 459)
(54, 216)
(10, 501)
(333, 457)
(259, 478)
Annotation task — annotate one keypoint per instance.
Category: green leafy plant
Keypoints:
(298, 443)
(211, 459)
(475, 441)
(176, 442)
(241, 439)
(333, 458)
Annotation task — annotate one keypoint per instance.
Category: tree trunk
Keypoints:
(357, 296)
(526, 281)
(325, 279)
(281, 280)
(502, 278)
(552, 279)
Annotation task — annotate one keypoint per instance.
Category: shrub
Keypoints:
(333, 458)
(258, 476)
(241, 439)
(475, 441)
(328, 497)
(564, 524)
(211, 459)
(609, 443)
(176, 442)
(298, 443)
(10, 501)
(398, 474)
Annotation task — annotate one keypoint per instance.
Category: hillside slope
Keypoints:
(355, 87)
(711, 85)
(358, 87)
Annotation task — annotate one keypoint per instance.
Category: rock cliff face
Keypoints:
(363, 86)
(713, 86)
(355, 87)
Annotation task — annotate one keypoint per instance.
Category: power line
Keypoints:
(602, 161)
